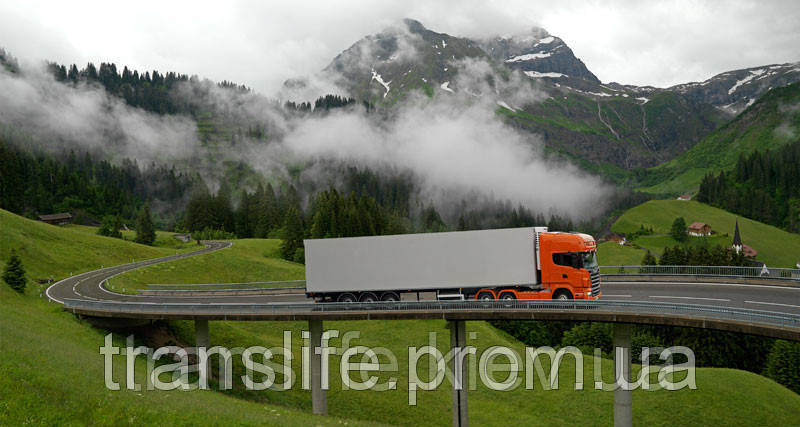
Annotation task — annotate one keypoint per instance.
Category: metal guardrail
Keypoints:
(703, 270)
(226, 286)
(638, 307)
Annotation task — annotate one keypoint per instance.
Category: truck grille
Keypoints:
(595, 275)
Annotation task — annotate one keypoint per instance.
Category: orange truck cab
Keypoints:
(566, 269)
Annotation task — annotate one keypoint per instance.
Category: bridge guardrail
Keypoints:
(289, 284)
(792, 274)
(638, 307)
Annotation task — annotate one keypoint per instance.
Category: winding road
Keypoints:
(768, 310)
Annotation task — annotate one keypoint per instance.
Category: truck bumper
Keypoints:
(586, 296)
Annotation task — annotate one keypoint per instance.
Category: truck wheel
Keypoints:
(508, 296)
(562, 295)
(485, 296)
(368, 297)
(390, 296)
(347, 297)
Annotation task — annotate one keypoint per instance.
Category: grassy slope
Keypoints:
(723, 397)
(248, 260)
(755, 128)
(51, 373)
(49, 251)
(777, 248)
(612, 253)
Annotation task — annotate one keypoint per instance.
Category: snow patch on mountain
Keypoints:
(546, 40)
(529, 56)
(753, 74)
(377, 77)
(445, 87)
(537, 75)
(504, 105)
(643, 99)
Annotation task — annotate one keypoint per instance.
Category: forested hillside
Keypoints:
(764, 186)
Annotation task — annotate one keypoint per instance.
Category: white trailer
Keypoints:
(382, 267)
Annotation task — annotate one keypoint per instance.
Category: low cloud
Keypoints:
(86, 117)
(455, 145)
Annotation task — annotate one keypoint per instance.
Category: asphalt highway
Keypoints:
(772, 298)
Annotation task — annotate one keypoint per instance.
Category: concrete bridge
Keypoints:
(742, 304)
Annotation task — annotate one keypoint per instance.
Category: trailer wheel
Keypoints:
(346, 297)
(562, 295)
(508, 296)
(485, 296)
(390, 296)
(368, 297)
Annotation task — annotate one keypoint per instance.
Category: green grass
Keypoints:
(723, 397)
(248, 260)
(49, 251)
(164, 239)
(51, 373)
(612, 253)
(776, 247)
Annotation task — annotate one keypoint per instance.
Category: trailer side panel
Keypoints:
(465, 259)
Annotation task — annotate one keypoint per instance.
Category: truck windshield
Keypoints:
(589, 260)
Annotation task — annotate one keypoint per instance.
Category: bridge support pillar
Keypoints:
(201, 340)
(458, 340)
(623, 399)
(319, 399)
(201, 333)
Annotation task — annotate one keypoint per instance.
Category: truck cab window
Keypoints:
(567, 259)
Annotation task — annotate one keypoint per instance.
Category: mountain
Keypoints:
(734, 91)
(382, 68)
(770, 122)
(538, 54)
(606, 128)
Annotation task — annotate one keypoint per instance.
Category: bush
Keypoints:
(110, 227)
(299, 256)
(14, 273)
(783, 364)
(588, 336)
(678, 230)
(212, 234)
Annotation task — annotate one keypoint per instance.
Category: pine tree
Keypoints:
(678, 230)
(14, 273)
(649, 259)
(145, 231)
(293, 234)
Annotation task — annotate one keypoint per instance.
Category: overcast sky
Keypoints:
(261, 44)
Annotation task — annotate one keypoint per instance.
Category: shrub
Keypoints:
(14, 273)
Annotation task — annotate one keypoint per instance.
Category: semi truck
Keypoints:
(513, 263)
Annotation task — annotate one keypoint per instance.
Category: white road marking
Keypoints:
(773, 303)
(737, 285)
(617, 296)
(705, 299)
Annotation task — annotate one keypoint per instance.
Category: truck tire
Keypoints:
(562, 295)
(485, 296)
(508, 296)
(390, 296)
(368, 297)
(346, 297)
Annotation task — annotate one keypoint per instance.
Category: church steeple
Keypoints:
(737, 239)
